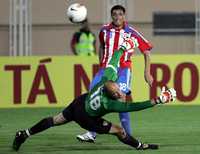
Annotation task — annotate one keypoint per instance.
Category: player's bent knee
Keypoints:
(121, 133)
(117, 130)
(59, 119)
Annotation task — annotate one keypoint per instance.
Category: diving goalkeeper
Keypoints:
(87, 109)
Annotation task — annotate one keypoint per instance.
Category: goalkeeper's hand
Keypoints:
(129, 43)
(166, 96)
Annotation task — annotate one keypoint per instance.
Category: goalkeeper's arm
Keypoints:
(166, 96)
(111, 70)
(118, 106)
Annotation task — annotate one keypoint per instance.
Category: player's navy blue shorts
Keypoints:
(76, 112)
(124, 79)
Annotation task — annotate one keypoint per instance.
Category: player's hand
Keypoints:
(167, 95)
(129, 43)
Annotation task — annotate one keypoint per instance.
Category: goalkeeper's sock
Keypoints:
(40, 126)
(129, 140)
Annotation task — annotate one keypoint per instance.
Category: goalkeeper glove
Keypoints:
(166, 96)
(129, 43)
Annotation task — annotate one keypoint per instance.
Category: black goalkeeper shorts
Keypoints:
(76, 112)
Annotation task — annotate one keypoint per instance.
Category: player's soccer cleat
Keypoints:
(166, 96)
(87, 137)
(145, 146)
(20, 138)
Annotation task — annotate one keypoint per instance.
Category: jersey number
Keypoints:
(95, 103)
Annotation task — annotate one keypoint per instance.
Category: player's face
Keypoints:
(118, 94)
(118, 18)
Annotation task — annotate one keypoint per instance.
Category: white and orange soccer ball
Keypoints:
(77, 13)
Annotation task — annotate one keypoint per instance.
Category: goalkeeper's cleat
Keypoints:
(145, 146)
(166, 96)
(87, 137)
(20, 138)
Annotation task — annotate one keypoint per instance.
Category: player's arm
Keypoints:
(110, 72)
(145, 46)
(147, 74)
(118, 106)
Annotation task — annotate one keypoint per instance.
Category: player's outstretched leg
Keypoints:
(22, 135)
(129, 140)
(42, 125)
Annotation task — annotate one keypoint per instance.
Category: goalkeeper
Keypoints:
(87, 109)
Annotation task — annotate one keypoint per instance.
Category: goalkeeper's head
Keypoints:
(113, 91)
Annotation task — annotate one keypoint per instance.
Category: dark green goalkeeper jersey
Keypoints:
(98, 103)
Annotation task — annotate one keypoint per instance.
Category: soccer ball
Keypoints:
(77, 13)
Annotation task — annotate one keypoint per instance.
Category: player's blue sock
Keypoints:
(125, 121)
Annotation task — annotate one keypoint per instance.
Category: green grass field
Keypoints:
(175, 128)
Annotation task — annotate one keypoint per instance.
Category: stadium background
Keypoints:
(51, 31)
(49, 49)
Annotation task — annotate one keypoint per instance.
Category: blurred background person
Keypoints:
(84, 41)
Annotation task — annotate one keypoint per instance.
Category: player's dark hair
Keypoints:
(118, 7)
(108, 93)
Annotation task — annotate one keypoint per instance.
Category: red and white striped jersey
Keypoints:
(111, 37)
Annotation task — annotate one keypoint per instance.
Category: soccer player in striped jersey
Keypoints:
(111, 37)
(87, 110)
